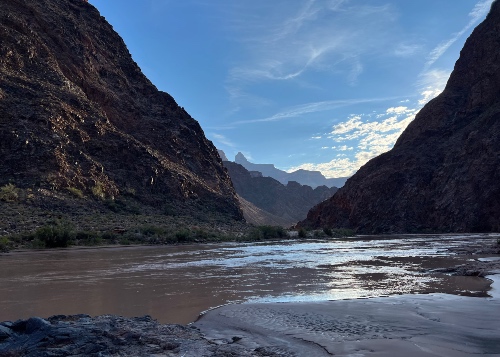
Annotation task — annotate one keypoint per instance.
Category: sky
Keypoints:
(314, 84)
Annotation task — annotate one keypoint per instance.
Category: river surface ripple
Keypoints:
(175, 283)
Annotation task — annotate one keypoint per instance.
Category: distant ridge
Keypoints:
(304, 177)
(443, 174)
(265, 200)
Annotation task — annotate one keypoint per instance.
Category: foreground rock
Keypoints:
(81, 335)
(443, 173)
(80, 124)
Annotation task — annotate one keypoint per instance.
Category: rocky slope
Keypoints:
(267, 201)
(304, 177)
(259, 217)
(443, 174)
(79, 118)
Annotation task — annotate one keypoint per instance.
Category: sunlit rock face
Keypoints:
(77, 112)
(443, 174)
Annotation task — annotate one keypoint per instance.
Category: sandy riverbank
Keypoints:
(406, 325)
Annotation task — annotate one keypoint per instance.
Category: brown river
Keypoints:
(175, 283)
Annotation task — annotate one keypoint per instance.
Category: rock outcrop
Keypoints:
(443, 174)
(110, 335)
(78, 115)
(267, 201)
(304, 177)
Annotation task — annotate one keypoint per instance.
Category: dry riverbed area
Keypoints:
(402, 325)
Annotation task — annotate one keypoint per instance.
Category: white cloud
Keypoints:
(432, 83)
(397, 110)
(373, 137)
(340, 167)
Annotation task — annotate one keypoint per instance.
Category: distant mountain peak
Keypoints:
(303, 177)
(240, 158)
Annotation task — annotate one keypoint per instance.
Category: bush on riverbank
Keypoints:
(265, 232)
(338, 232)
(5, 244)
(59, 233)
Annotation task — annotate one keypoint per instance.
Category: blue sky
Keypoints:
(315, 84)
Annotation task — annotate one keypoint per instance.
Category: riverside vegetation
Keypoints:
(98, 222)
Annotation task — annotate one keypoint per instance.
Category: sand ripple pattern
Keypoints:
(343, 328)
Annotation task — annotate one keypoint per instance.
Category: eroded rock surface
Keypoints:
(78, 115)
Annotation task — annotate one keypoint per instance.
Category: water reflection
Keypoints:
(175, 283)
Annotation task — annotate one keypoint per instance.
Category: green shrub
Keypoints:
(110, 236)
(302, 233)
(338, 232)
(75, 192)
(5, 244)
(328, 231)
(88, 238)
(98, 191)
(54, 236)
(182, 235)
(266, 232)
(255, 234)
(9, 193)
(150, 230)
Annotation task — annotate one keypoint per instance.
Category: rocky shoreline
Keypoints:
(108, 335)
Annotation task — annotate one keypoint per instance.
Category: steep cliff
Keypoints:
(443, 174)
(78, 115)
(267, 201)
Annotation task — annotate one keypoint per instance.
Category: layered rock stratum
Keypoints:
(79, 118)
(443, 174)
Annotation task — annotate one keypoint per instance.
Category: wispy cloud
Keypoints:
(221, 139)
(478, 12)
(314, 107)
(320, 36)
(433, 81)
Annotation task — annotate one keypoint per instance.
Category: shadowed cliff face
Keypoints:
(76, 111)
(443, 174)
(267, 201)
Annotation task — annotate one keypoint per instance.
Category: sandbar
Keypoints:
(405, 325)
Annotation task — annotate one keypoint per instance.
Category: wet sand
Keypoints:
(407, 325)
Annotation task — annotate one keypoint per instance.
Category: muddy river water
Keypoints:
(175, 283)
